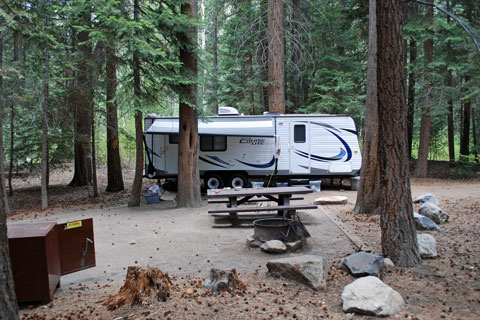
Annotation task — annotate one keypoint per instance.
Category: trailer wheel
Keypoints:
(213, 181)
(238, 181)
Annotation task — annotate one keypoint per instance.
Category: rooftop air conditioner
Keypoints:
(227, 111)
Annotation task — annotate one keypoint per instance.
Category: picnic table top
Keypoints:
(245, 192)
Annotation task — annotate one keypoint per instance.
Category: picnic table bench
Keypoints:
(281, 195)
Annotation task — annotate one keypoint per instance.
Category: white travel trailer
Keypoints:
(236, 149)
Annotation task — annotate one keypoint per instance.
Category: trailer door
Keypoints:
(300, 147)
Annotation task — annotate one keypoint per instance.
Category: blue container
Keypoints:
(315, 185)
(282, 184)
(152, 198)
(257, 184)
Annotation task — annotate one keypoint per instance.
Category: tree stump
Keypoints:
(220, 280)
(141, 284)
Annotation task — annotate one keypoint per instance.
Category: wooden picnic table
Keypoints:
(280, 195)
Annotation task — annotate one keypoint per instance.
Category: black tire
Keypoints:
(213, 181)
(238, 180)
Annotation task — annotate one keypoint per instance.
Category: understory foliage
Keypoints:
(325, 65)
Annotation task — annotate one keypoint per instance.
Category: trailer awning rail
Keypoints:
(256, 128)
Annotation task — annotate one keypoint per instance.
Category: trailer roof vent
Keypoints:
(227, 111)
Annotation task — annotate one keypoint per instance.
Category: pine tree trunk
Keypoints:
(3, 191)
(276, 57)
(83, 102)
(44, 187)
(215, 58)
(137, 91)
(94, 160)
(12, 147)
(114, 166)
(188, 146)
(474, 134)
(399, 240)
(411, 95)
(8, 300)
(421, 166)
(17, 59)
(465, 136)
(368, 195)
(295, 78)
(450, 125)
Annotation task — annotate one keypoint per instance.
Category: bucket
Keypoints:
(315, 185)
(355, 182)
(257, 184)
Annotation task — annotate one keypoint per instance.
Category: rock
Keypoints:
(253, 242)
(307, 269)
(331, 200)
(424, 223)
(362, 264)
(427, 198)
(427, 245)
(370, 296)
(433, 212)
(274, 246)
(387, 262)
(296, 245)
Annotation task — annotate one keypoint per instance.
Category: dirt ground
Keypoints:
(185, 244)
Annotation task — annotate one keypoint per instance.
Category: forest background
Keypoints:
(69, 71)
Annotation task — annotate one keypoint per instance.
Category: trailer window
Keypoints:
(299, 133)
(173, 138)
(213, 143)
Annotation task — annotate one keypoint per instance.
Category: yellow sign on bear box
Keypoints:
(73, 224)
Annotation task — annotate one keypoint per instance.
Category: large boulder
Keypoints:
(370, 296)
(427, 198)
(274, 246)
(308, 269)
(427, 245)
(362, 264)
(424, 223)
(433, 212)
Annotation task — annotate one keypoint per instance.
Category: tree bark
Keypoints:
(450, 124)
(368, 193)
(399, 240)
(114, 166)
(421, 166)
(46, 89)
(215, 58)
(474, 134)
(188, 146)
(411, 95)
(8, 300)
(137, 91)
(465, 136)
(12, 144)
(94, 159)
(83, 102)
(276, 57)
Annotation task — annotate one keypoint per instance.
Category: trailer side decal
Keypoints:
(349, 151)
(320, 158)
(351, 131)
(150, 151)
(219, 160)
(210, 162)
(264, 165)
